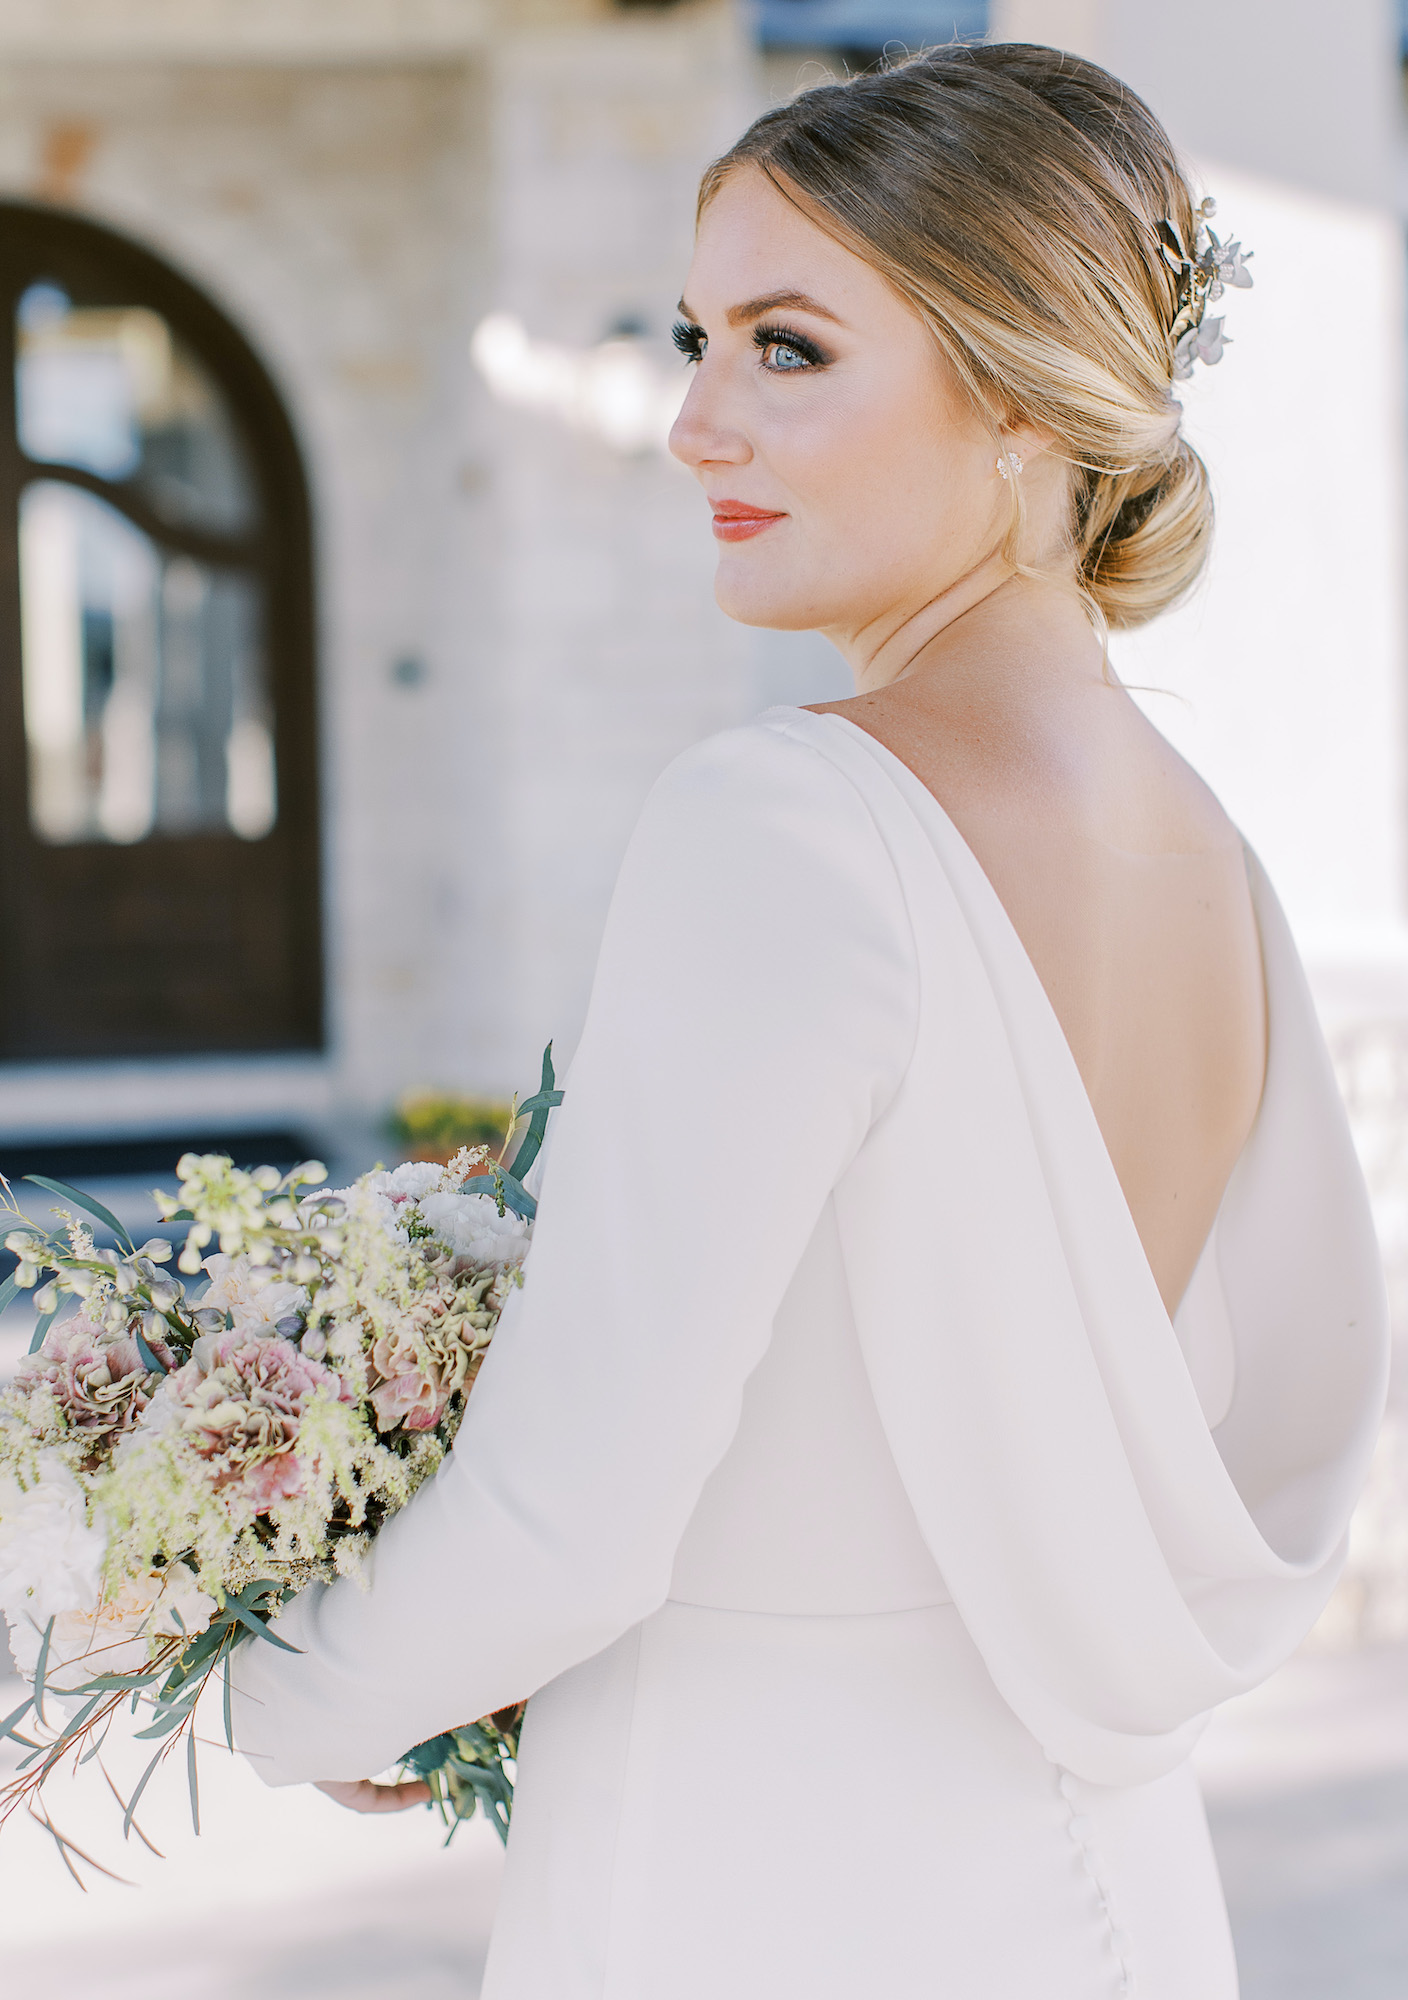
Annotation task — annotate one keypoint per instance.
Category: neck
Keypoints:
(898, 641)
(1026, 619)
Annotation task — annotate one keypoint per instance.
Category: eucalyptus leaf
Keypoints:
(541, 1104)
(75, 1725)
(16, 1715)
(503, 1186)
(151, 1361)
(229, 1728)
(169, 1717)
(542, 1100)
(255, 1593)
(142, 1783)
(119, 1683)
(259, 1628)
(9, 1291)
(40, 1668)
(200, 1651)
(191, 1780)
(41, 1328)
(86, 1202)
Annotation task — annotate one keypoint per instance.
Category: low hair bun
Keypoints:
(1143, 537)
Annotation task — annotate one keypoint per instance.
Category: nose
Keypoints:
(702, 433)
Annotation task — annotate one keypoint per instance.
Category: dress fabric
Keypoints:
(874, 1541)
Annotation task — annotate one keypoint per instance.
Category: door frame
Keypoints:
(99, 264)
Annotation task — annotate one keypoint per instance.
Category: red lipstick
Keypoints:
(735, 521)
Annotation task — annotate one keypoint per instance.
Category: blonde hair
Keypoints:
(1012, 194)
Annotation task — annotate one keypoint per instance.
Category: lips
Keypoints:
(735, 521)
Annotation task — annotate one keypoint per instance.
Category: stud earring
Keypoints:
(1009, 462)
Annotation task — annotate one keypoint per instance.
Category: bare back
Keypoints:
(1127, 885)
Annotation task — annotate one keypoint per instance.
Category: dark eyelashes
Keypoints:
(691, 340)
(765, 337)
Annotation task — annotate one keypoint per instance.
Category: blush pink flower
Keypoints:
(416, 1368)
(240, 1401)
(97, 1378)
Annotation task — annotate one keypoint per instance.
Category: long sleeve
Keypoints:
(755, 1007)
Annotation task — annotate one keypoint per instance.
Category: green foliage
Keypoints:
(436, 1123)
(467, 1770)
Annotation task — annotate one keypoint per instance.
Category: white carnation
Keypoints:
(254, 1302)
(413, 1179)
(51, 1559)
(114, 1639)
(471, 1227)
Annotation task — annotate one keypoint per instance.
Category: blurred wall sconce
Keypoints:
(616, 391)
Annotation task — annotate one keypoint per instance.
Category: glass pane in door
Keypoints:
(144, 681)
(113, 391)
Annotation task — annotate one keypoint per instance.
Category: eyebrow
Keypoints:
(784, 301)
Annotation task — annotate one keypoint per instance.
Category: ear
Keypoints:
(1029, 441)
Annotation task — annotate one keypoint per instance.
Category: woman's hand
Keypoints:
(363, 1795)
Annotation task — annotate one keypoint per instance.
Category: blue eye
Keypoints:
(785, 352)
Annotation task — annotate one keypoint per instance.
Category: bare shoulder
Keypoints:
(1085, 758)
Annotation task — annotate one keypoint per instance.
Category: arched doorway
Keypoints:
(159, 873)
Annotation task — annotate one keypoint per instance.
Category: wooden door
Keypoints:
(159, 871)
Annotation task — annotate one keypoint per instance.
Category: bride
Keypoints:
(953, 1338)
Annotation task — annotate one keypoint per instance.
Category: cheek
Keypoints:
(877, 473)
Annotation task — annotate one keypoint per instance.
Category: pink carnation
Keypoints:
(418, 1367)
(240, 1401)
(95, 1376)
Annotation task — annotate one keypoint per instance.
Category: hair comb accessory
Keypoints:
(1202, 277)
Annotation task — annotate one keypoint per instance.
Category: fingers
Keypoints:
(363, 1796)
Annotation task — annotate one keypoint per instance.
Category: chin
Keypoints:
(755, 599)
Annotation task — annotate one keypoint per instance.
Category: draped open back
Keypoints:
(875, 1542)
(1127, 885)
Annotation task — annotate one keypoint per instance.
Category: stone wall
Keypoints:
(517, 626)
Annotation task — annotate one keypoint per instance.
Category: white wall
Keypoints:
(1288, 665)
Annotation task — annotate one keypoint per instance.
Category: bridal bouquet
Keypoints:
(179, 1459)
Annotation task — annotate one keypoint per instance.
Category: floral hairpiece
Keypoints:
(1202, 278)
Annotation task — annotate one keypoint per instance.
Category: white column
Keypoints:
(1285, 671)
(611, 655)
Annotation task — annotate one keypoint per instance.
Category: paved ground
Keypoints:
(285, 1897)
(1307, 1784)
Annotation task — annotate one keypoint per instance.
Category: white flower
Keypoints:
(113, 1639)
(51, 1559)
(182, 1606)
(254, 1303)
(415, 1178)
(471, 1227)
(1205, 342)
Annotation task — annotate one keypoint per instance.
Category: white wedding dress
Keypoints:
(875, 1543)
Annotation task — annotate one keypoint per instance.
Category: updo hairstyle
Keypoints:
(1012, 194)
